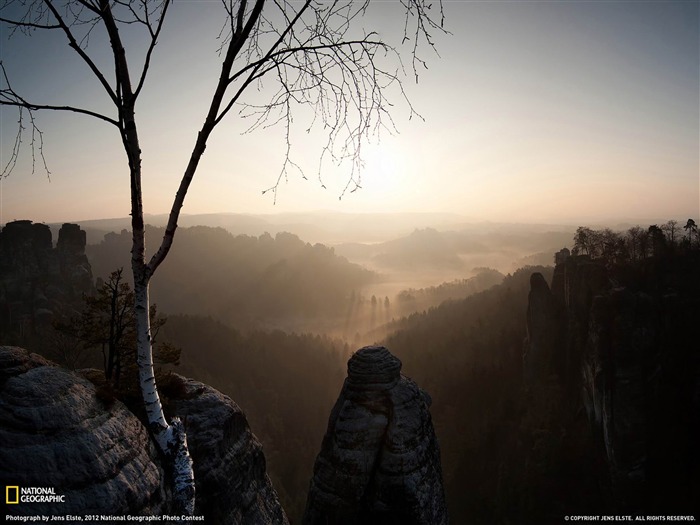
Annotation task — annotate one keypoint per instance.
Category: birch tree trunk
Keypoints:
(171, 439)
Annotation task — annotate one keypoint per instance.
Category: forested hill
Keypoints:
(240, 279)
(467, 355)
(525, 446)
(476, 330)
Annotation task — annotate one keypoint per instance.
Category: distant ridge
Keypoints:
(320, 226)
(334, 228)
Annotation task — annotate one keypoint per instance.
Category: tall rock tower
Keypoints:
(380, 460)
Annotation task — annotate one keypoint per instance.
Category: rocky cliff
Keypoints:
(57, 431)
(230, 475)
(38, 281)
(380, 460)
(542, 355)
(624, 348)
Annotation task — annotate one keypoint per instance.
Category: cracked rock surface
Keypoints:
(380, 460)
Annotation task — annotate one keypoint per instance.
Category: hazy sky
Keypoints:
(561, 111)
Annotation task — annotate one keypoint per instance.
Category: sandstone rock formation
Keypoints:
(54, 432)
(57, 432)
(543, 343)
(380, 460)
(231, 480)
(619, 374)
(37, 281)
(73, 263)
(630, 360)
(576, 282)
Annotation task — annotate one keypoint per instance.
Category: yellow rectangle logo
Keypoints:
(9, 498)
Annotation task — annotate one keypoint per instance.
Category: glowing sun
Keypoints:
(382, 168)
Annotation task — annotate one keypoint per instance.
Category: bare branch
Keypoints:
(287, 159)
(9, 97)
(29, 25)
(36, 144)
(210, 122)
(72, 109)
(37, 135)
(16, 147)
(34, 15)
(239, 18)
(314, 63)
(152, 45)
(79, 50)
(417, 11)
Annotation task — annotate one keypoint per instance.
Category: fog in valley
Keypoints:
(346, 276)
(268, 309)
(270, 318)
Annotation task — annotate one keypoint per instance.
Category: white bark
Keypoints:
(171, 439)
(147, 380)
(183, 474)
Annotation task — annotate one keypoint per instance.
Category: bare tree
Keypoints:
(670, 229)
(635, 241)
(315, 52)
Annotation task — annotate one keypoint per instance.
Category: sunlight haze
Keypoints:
(534, 111)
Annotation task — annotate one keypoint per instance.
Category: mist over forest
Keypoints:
(277, 279)
(270, 319)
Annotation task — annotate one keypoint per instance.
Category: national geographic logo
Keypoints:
(11, 495)
(15, 495)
